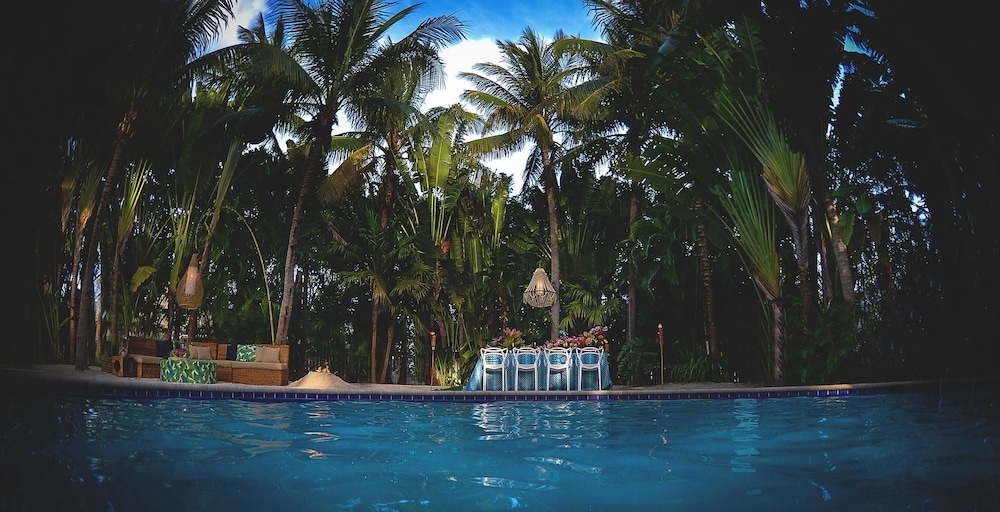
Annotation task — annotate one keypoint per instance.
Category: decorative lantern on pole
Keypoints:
(539, 292)
(659, 336)
(434, 340)
(189, 290)
(189, 293)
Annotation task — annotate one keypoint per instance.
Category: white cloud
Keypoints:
(244, 14)
(461, 58)
(458, 58)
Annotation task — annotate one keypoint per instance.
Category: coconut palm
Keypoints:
(173, 38)
(524, 100)
(624, 80)
(339, 58)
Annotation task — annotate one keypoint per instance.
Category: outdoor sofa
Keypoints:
(256, 364)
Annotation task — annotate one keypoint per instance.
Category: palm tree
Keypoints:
(753, 228)
(806, 53)
(596, 223)
(751, 119)
(338, 60)
(784, 173)
(525, 99)
(625, 78)
(392, 270)
(82, 182)
(135, 183)
(174, 38)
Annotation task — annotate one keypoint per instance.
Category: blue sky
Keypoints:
(506, 19)
(485, 21)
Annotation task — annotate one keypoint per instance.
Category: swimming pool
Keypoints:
(893, 451)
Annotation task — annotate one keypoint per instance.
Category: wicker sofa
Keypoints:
(261, 365)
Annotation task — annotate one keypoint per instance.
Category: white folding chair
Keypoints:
(525, 360)
(494, 360)
(588, 359)
(556, 361)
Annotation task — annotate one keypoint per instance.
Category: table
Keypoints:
(122, 366)
(194, 371)
(526, 380)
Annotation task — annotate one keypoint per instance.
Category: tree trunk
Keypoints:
(316, 160)
(778, 352)
(550, 198)
(115, 286)
(84, 324)
(74, 296)
(846, 277)
(817, 177)
(705, 273)
(797, 218)
(389, 346)
(98, 321)
(826, 260)
(374, 341)
(800, 240)
(633, 288)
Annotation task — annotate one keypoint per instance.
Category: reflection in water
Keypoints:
(886, 452)
(747, 421)
(553, 420)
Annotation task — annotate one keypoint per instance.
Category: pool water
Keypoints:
(893, 451)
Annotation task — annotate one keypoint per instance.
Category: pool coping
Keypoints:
(94, 383)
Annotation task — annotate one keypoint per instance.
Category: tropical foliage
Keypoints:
(790, 188)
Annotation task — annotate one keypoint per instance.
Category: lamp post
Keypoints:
(659, 336)
(434, 340)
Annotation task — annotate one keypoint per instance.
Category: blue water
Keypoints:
(892, 451)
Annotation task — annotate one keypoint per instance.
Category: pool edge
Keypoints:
(97, 384)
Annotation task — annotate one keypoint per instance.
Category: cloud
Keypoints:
(244, 14)
(458, 58)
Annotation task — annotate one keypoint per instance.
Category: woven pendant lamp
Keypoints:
(189, 291)
(539, 292)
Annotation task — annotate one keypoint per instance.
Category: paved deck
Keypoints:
(93, 382)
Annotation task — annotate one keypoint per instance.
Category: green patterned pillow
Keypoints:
(246, 353)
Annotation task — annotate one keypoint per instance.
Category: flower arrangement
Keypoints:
(509, 339)
(178, 351)
(594, 337)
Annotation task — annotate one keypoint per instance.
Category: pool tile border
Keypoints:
(145, 389)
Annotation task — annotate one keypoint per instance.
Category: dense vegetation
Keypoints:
(799, 192)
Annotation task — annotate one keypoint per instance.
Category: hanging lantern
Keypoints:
(539, 292)
(189, 289)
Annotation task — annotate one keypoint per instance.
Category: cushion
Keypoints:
(268, 355)
(246, 353)
(163, 348)
(200, 352)
(231, 352)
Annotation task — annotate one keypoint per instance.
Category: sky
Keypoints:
(486, 21)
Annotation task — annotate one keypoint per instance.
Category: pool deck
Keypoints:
(94, 382)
